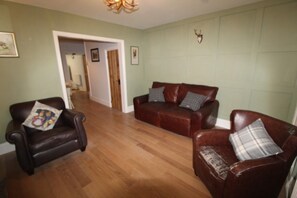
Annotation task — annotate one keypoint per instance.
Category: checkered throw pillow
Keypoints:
(156, 94)
(253, 142)
(193, 101)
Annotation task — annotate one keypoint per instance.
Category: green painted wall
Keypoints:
(250, 53)
(35, 73)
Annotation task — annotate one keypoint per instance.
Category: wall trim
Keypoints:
(101, 101)
(6, 148)
(223, 123)
(130, 109)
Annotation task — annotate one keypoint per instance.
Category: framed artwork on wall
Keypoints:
(134, 55)
(95, 55)
(8, 46)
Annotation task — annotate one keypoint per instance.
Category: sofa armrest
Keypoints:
(137, 101)
(15, 134)
(140, 99)
(205, 117)
(268, 172)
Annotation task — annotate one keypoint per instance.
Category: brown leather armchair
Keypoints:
(34, 147)
(225, 176)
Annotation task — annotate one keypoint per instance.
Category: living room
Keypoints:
(249, 52)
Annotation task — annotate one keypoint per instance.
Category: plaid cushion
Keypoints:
(193, 101)
(156, 94)
(253, 142)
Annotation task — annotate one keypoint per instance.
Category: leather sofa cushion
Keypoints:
(176, 119)
(170, 92)
(209, 92)
(149, 112)
(45, 140)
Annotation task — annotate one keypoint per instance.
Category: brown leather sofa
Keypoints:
(225, 176)
(170, 116)
(35, 147)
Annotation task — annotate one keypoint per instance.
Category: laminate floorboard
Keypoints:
(124, 158)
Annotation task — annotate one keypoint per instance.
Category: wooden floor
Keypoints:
(124, 158)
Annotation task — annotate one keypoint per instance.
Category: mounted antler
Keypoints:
(199, 36)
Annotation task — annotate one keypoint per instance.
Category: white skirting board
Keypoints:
(130, 109)
(6, 148)
(101, 101)
(223, 123)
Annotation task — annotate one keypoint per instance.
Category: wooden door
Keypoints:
(114, 78)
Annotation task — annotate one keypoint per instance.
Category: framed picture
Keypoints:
(8, 46)
(134, 55)
(95, 55)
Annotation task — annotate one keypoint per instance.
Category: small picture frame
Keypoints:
(134, 55)
(8, 46)
(95, 55)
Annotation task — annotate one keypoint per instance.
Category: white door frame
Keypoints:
(122, 62)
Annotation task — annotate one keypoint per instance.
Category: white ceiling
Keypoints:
(151, 13)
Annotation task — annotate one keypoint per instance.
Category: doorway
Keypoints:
(77, 72)
(114, 79)
(121, 59)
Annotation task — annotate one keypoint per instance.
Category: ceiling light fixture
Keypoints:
(118, 5)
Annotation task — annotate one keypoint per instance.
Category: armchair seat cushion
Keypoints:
(46, 140)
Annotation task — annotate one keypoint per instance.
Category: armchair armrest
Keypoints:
(75, 119)
(247, 166)
(268, 172)
(15, 134)
(72, 117)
